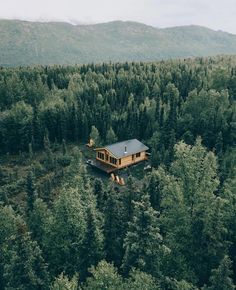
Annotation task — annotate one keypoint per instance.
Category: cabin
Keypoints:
(119, 155)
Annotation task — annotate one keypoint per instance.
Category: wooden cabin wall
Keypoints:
(128, 160)
(125, 161)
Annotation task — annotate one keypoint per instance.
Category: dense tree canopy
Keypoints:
(63, 226)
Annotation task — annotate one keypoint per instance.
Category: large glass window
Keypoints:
(113, 160)
(100, 155)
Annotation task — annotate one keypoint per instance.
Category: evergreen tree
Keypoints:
(153, 189)
(49, 155)
(62, 282)
(114, 227)
(65, 233)
(100, 193)
(219, 143)
(38, 221)
(140, 281)
(221, 277)
(104, 276)
(64, 149)
(111, 136)
(31, 191)
(24, 266)
(92, 249)
(95, 136)
(143, 243)
(130, 195)
(31, 153)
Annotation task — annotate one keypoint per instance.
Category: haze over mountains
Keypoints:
(32, 43)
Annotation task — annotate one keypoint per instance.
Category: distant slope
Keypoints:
(28, 43)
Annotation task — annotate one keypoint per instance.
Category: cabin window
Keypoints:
(100, 155)
(119, 161)
(113, 160)
(133, 157)
(138, 154)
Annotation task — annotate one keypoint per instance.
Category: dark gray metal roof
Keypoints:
(132, 146)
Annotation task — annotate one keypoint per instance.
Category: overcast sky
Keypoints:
(216, 14)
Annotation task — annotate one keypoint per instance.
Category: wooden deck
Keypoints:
(102, 166)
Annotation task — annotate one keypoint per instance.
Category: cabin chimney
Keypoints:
(125, 149)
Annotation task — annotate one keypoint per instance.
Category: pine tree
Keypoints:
(38, 221)
(31, 191)
(31, 153)
(92, 249)
(65, 232)
(219, 143)
(153, 189)
(114, 227)
(111, 136)
(130, 195)
(140, 281)
(64, 149)
(143, 243)
(95, 136)
(100, 193)
(24, 266)
(48, 151)
(104, 276)
(62, 282)
(221, 277)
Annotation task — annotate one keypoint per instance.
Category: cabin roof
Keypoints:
(132, 146)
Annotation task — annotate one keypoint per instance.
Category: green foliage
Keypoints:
(30, 190)
(104, 276)
(165, 231)
(111, 136)
(62, 43)
(15, 127)
(221, 277)
(64, 160)
(62, 282)
(38, 221)
(143, 243)
(114, 226)
(193, 212)
(92, 251)
(24, 266)
(140, 281)
(63, 248)
(95, 136)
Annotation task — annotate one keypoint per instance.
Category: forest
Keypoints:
(62, 227)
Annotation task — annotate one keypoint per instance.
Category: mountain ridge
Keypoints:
(44, 43)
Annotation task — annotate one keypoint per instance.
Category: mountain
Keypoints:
(29, 43)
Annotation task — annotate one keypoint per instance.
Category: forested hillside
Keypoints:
(30, 43)
(173, 229)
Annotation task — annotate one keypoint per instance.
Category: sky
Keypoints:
(215, 14)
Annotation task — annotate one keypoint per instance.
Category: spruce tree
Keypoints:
(221, 277)
(100, 193)
(143, 243)
(104, 276)
(95, 136)
(93, 242)
(114, 227)
(24, 266)
(31, 191)
(62, 282)
(111, 136)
